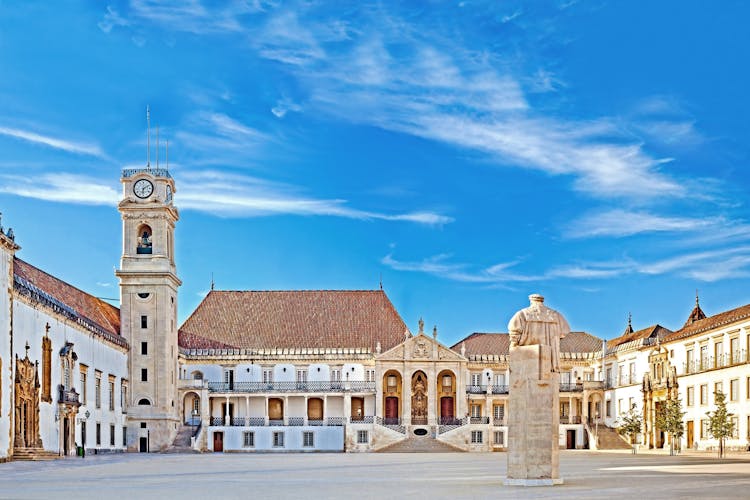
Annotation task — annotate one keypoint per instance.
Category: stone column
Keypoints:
(406, 399)
(265, 411)
(533, 422)
(247, 410)
(226, 412)
(432, 401)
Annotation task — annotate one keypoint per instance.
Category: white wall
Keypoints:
(6, 359)
(29, 326)
(325, 438)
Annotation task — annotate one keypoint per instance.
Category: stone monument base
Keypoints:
(533, 424)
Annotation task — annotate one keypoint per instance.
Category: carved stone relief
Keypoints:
(27, 404)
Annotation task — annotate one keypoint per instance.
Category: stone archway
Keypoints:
(191, 408)
(26, 429)
(419, 402)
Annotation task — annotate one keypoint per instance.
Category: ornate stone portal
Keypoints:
(27, 404)
(533, 426)
(419, 399)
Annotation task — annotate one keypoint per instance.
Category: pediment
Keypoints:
(420, 347)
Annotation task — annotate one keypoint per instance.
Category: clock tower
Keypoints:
(148, 306)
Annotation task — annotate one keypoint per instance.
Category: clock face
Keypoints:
(143, 188)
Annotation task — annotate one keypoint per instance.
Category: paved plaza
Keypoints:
(374, 475)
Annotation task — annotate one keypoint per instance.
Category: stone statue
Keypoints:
(539, 325)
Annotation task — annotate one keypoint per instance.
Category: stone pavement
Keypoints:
(372, 475)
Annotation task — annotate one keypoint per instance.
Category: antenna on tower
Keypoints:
(148, 136)
(157, 146)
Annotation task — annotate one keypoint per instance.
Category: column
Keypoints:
(306, 415)
(432, 396)
(265, 411)
(286, 410)
(247, 410)
(325, 408)
(406, 399)
(347, 406)
(226, 412)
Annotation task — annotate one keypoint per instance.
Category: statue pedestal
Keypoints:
(534, 417)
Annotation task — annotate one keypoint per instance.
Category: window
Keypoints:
(748, 389)
(500, 379)
(84, 392)
(336, 375)
(690, 396)
(477, 437)
(609, 380)
(718, 354)
(689, 361)
(47, 369)
(476, 411)
(619, 407)
(621, 375)
(363, 437)
(278, 439)
(498, 412)
(98, 434)
(609, 407)
(735, 427)
(143, 425)
(718, 387)
(734, 390)
(124, 436)
(144, 402)
(248, 439)
(632, 373)
(144, 375)
(98, 389)
(144, 321)
(370, 375)
(307, 439)
(704, 429)
(301, 376)
(391, 382)
(499, 438)
(123, 395)
(734, 349)
(267, 375)
(144, 348)
(112, 392)
(476, 379)
(704, 394)
(112, 435)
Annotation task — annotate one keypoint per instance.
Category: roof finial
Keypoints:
(421, 325)
(212, 281)
(46, 330)
(434, 332)
(27, 348)
(381, 281)
(697, 300)
(148, 136)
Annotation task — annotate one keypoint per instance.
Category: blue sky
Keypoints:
(470, 153)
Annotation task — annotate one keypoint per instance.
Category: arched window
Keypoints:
(144, 239)
(144, 402)
(197, 375)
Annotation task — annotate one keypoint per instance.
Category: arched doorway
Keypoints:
(419, 399)
(26, 404)
(391, 397)
(192, 409)
(358, 409)
(446, 391)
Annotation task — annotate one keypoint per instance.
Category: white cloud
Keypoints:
(283, 106)
(510, 17)
(620, 223)
(53, 142)
(217, 193)
(111, 19)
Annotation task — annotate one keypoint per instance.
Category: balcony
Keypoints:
(568, 419)
(69, 397)
(567, 387)
(476, 389)
(156, 172)
(713, 362)
(499, 389)
(498, 422)
(479, 420)
(261, 387)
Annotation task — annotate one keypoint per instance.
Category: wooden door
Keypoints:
(143, 445)
(218, 442)
(446, 408)
(391, 407)
(315, 409)
(275, 409)
(690, 434)
(358, 408)
(571, 439)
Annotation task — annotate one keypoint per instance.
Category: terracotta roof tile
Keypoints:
(294, 319)
(499, 343)
(83, 305)
(711, 322)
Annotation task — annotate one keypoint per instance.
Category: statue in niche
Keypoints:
(419, 398)
(539, 325)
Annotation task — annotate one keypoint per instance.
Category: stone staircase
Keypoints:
(420, 444)
(181, 443)
(610, 439)
(34, 454)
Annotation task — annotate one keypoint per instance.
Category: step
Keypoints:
(420, 445)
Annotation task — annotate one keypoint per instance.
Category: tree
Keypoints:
(720, 423)
(669, 419)
(630, 425)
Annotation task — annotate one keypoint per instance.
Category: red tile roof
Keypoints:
(293, 319)
(79, 303)
(499, 343)
(711, 322)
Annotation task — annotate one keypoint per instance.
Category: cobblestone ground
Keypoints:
(377, 475)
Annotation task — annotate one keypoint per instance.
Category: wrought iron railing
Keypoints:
(479, 420)
(275, 421)
(217, 421)
(476, 389)
(571, 387)
(712, 362)
(296, 421)
(68, 397)
(357, 386)
(499, 389)
(336, 421)
(256, 421)
(498, 421)
(450, 421)
(156, 172)
(237, 421)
